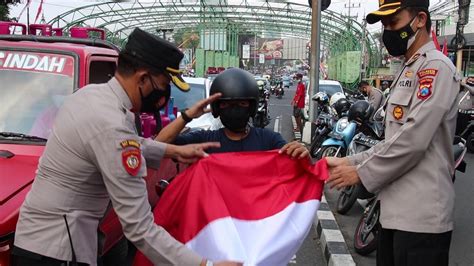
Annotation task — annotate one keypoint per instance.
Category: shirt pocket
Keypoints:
(399, 106)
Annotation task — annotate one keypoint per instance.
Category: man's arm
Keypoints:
(397, 155)
(122, 168)
(169, 133)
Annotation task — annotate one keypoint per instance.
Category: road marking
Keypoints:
(276, 127)
(293, 260)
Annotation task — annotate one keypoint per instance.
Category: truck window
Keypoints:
(101, 71)
(34, 85)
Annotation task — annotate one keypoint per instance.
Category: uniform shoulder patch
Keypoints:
(425, 88)
(427, 73)
(130, 143)
(131, 160)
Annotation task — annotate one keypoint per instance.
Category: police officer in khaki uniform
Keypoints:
(94, 156)
(412, 169)
(375, 95)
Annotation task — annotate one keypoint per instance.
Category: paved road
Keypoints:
(280, 111)
(462, 244)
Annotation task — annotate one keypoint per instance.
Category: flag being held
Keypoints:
(252, 207)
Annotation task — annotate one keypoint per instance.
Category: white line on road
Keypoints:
(276, 127)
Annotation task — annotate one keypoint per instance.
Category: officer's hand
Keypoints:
(189, 153)
(342, 175)
(295, 149)
(200, 107)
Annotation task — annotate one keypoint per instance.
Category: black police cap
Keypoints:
(389, 7)
(157, 53)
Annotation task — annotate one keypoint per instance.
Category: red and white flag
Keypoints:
(252, 207)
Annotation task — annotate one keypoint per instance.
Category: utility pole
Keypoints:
(314, 64)
(255, 53)
(351, 5)
(363, 50)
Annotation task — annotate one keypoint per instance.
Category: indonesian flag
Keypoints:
(251, 207)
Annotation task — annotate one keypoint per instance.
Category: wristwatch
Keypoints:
(185, 117)
(209, 263)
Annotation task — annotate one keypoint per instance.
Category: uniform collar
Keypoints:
(120, 92)
(422, 51)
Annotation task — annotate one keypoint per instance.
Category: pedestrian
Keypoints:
(412, 169)
(234, 99)
(298, 102)
(94, 156)
(375, 96)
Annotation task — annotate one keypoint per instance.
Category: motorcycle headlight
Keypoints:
(342, 124)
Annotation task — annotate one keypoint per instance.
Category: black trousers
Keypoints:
(22, 257)
(401, 248)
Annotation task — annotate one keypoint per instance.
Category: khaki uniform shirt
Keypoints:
(94, 156)
(376, 98)
(412, 168)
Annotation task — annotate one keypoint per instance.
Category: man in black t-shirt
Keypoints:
(234, 98)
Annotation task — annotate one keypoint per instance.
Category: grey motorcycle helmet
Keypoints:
(235, 84)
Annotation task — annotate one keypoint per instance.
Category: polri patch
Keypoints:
(131, 160)
(398, 112)
(425, 88)
(427, 72)
(130, 143)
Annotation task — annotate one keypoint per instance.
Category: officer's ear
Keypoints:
(422, 18)
(141, 76)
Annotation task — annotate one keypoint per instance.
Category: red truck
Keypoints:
(37, 71)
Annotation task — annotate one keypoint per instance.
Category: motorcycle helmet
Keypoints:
(335, 97)
(360, 111)
(341, 106)
(321, 97)
(261, 84)
(235, 84)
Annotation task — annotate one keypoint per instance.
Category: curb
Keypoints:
(336, 252)
(332, 241)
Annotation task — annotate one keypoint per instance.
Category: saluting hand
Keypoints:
(341, 173)
(191, 152)
(200, 107)
(295, 149)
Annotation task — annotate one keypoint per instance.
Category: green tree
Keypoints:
(5, 9)
(186, 38)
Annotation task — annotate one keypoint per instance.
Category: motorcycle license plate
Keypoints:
(366, 141)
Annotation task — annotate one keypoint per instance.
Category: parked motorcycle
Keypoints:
(342, 133)
(467, 132)
(366, 233)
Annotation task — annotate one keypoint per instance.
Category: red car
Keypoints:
(36, 74)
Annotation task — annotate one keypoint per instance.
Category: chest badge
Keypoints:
(425, 89)
(398, 112)
(409, 74)
(131, 160)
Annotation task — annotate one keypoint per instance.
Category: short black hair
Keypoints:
(415, 10)
(128, 65)
(363, 83)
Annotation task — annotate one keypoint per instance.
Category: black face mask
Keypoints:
(396, 41)
(235, 118)
(149, 102)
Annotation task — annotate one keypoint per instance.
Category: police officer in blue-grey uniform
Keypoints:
(412, 169)
(94, 156)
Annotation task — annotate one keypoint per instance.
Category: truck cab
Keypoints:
(39, 67)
